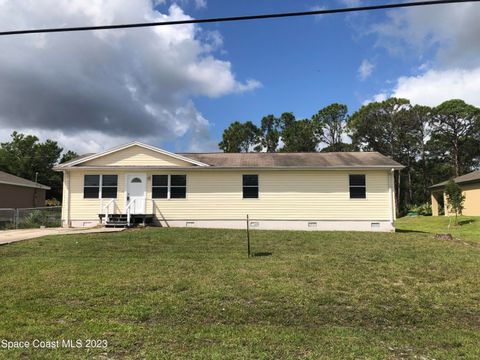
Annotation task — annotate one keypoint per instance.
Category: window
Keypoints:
(250, 186)
(160, 186)
(91, 186)
(358, 187)
(109, 186)
(178, 186)
(93, 190)
(169, 186)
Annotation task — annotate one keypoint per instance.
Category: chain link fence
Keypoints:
(30, 218)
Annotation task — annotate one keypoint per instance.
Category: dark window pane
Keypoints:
(178, 192)
(178, 180)
(160, 180)
(250, 192)
(357, 180)
(109, 180)
(109, 192)
(136, 181)
(358, 193)
(92, 180)
(159, 192)
(250, 180)
(90, 192)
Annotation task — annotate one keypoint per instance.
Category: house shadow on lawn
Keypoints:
(262, 254)
(411, 231)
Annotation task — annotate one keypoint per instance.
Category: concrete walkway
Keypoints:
(10, 236)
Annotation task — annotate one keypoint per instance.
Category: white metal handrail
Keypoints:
(129, 210)
(106, 208)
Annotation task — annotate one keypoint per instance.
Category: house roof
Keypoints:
(9, 179)
(469, 178)
(296, 160)
(343, 160)
(88, 157)
(66, 163)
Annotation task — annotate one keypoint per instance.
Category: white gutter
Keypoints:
(391, 184)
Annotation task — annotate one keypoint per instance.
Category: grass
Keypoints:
(468, 228)
(191, 293)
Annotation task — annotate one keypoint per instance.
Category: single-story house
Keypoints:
(302, 191)
(470, 184)
(17, 192)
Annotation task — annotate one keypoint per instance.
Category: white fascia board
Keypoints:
(125, 146)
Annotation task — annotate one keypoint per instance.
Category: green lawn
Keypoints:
(467, 230)
(191, 293)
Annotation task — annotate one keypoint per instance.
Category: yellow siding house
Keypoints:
(302, 191)
(470, 184)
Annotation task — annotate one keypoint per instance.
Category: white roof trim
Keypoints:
(126, 146)
(36, 186)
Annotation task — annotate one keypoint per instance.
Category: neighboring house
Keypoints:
(470, 184)
(17, 192)
(304, 191)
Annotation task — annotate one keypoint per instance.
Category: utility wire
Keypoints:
(237, 18)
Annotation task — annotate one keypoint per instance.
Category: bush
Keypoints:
(38, 218)
(422, 210)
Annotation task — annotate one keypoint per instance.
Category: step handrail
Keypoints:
(129, 210)
(106, 208)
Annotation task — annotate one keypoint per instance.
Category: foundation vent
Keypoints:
(312, 224)
(375, 225)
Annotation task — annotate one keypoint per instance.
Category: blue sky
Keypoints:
(180, 87)
(303, 63)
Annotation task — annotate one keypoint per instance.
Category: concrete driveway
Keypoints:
(10, 236)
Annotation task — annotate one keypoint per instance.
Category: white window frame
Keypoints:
(258, 187)
(357, 186)
(169, 187)
(100, 186)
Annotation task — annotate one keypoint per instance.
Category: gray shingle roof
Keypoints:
(472, 177)
(6, 178)
(77, 158)
(314, 160)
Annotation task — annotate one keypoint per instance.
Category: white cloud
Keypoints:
(445, 40)
(451, 31)
(436, 86)
(91, 90)
(365, 69)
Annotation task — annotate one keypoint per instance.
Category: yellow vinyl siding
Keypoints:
(136, 156)
(88, 209)
(283, 195)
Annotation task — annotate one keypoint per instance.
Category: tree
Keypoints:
(389, 128)
(26, 157)
(455, 198)
(455, 130)
(270, 134)
(69, 155)
(240, 137)
(340, 147)
(332, 120)
(298, 135)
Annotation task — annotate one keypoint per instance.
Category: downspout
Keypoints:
(67, 174)
(391, 194)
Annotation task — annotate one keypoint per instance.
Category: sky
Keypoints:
(179, 87)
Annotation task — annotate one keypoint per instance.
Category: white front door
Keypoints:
(136, 192)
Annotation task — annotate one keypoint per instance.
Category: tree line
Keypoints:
(433, 143)
(27, 157)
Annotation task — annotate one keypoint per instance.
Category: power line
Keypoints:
(237, 18)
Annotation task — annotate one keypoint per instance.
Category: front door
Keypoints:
(136, 191)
